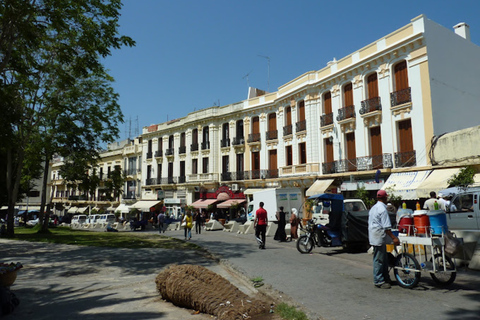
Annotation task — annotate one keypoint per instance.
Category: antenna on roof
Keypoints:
(246, 76)
(268, 71)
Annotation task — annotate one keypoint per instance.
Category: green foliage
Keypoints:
(290, 313)
(392, 198)
(363, 194)
(463, 179)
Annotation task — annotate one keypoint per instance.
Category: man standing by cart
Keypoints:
(378, 228)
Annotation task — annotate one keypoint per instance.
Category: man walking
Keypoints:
(260, 224)
(378, 228)
(161, 221)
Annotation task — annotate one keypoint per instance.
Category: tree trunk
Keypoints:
(14, 171)
(44, 218)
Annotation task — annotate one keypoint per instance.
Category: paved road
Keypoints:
(333, 284)
(69, 282)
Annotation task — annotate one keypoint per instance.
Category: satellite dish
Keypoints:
(377, 176)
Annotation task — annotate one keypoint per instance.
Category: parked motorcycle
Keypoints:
(319, 235)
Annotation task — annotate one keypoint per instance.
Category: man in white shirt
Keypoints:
(430, 203)
(378, 228)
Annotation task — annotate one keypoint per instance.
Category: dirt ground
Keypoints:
(197, 288)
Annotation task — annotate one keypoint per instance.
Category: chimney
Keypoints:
(463, 30)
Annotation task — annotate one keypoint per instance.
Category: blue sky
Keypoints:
(193, 54)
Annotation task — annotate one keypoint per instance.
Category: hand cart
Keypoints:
(407, 268)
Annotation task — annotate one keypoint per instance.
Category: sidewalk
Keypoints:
(69, 282)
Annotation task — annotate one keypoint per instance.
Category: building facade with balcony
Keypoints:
(375, 109)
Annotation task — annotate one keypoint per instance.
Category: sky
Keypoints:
(195, 54)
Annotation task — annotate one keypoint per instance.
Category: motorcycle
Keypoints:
(319, 235)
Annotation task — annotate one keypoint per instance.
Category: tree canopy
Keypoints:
(55, 93)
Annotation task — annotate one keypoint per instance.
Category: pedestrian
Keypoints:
(430, 203)
(294, 224)
(198, 222)
(280, 234)
(188, 219)
(260, 224)
(161, 222)
(378, 228)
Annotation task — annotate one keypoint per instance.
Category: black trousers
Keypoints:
(260, 232)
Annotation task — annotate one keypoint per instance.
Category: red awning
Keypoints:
(203, 204)
(228, 203)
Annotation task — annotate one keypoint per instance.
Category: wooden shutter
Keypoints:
(255, 161)
(195, 136)
(272, 122)
(301, 110)
(255, 125)
(372, 84)
(351, 153)
(288, 154)
(288, 116)
(272, 159)
(327, 102)
(239, 162)
(375, 141)
(401, 76)
(328, 150)
(405, 135)
(348, 95)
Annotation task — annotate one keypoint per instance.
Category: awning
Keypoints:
(405, 184)
(123, 208)
(145, 205)
(82, 210)
(202, 204)
(228, 203)
(72, 210)
(111, 209)
(436, 181)
(318, 187)
(251, 191)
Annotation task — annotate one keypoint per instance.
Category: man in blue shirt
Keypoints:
(378, 228)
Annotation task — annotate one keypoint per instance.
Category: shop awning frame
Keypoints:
(203, 203)
(436, 181)
(319, 186)
(145, 205)
(230, 202)
(405, 184)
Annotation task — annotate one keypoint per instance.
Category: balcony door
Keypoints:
(272, 164)
(401, 76)
(351, 153)
(376, 147)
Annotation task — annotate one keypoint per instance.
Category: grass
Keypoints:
(290, 313)
(131, 240)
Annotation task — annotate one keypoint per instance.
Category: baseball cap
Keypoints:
(382, 194)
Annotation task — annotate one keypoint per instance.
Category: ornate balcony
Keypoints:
(287, 130)
(194, 147)
(346, 113)
(328, 167)
(400, 97)
(182, 179)
(226, 176)
(301, 126)
(225, 143)
(375, 162)
(272, 135)
(182, 149)
(370, 105)
(326, 119)
(405, 159)
(149, 155)
(346, 165)
(253, 137)
(206, 145)
(237, 141)
(169, 152)
(158, 154)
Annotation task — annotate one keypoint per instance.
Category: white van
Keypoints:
(321, 211)
(80, 219)
(106, 218)
(463, 213)
(93, 218)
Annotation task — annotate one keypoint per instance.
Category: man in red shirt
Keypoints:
(260, 225)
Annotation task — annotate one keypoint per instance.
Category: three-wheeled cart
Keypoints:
(423, 253)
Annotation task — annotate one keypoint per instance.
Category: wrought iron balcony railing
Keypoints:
(370, 105)
(405, 159)
(224, 143)
(326, 119)
(287, 130)
(149, 155)
(301, 126)
(272, 135)
(182, 149)
(169, 152)
(253, 137)
(328, 167)
(400, 97)
(158, 153)
(238, 141)
(194, 147)
(346, 113)
(206, 145)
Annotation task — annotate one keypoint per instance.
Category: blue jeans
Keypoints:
(380, 265)
(188, 233)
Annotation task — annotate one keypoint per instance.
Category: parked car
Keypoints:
(32, 223)
(80, 218)
(106, 218)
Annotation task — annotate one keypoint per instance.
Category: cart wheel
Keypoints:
(407, 270)
(444, 278)
(304, 244)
